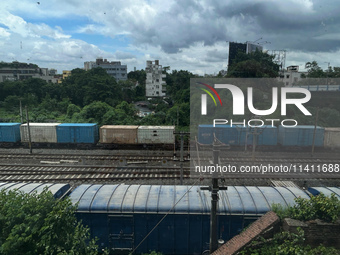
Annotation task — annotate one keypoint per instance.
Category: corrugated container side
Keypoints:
(156, 134)
(224, 133)
(77, 133)
(10, 132)
(332, 138)
(227, 134)
(118, 134)
(205, 134)
(300, 136)
(40, 132)
(267, 136)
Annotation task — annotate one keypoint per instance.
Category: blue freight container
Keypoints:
(301, 136)
(224, 133)
(77, 133)
(267, 135)
(121, 216)
(10, 132)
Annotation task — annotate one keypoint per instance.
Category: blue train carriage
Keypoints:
(238, 136)
(9, 134)
(266, 138)
(81, 135)
(121, 216)
(59, 190)
(300, 136)
(224, 133)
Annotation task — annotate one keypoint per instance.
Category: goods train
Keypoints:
(121, 216)
(86, 135)
(271, 137)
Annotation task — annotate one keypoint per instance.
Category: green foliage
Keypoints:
(317, 207)
(286, 243)
(40, 224)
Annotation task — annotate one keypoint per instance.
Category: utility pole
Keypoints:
(181, 158)
(29, 131)
(214, 188)
(21, 118)
(314, 133)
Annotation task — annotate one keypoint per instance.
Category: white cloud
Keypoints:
(187, 35)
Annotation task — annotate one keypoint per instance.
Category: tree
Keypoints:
(314, 70)
(40, 224)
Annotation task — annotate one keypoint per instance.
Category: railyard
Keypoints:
(165, 167)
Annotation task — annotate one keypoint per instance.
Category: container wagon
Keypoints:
(332, 138)
(300, 136)
(42, 134)
(122, 215)
(78, 134)
(237, 136)
(9, 134)
(224, 133)
(116, 136)
(159, 136)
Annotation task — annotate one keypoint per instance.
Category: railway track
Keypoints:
(86, 173)
(80, 157)
(58, 173)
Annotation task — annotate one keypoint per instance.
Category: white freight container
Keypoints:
(332, 138)
(156, 134)
(118, 134)
(40, 132)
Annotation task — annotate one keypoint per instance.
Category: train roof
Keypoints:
(58, 190)
(77, 125)
(243, 200)
(9, 124)
(325, 190)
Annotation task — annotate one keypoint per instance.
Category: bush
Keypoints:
(317, 207)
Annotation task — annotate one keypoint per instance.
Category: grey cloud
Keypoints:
(282, 23)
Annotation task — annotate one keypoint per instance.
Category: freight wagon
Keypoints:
(87, 135)
(9, 134)
(300, 137)
(41, 133)
(237, 136)
(119, 136)
(121, 216)
(332, 138)
(79, 134)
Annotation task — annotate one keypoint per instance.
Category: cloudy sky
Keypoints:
(190, 34)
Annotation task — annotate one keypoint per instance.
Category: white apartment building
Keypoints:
(113, 68)
(154, 85)
(291, 76)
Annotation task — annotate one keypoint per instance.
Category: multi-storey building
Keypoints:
(113, 68)
(154, 85)
(20, 71)
(291, 76)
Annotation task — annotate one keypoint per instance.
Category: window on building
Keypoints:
(287, 76)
